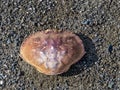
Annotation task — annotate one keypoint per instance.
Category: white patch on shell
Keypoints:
(51, 58)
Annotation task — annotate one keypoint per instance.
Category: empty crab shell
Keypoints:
(52, 52)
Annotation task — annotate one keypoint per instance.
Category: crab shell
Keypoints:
(52, 52)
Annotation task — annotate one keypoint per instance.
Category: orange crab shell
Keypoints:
(52, 52)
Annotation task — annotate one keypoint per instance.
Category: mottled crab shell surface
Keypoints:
(52, 52)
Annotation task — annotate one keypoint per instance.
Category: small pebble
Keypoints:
(110, 84)
(110, 49)
(118, 79)
(1, 82)
(21, 73)
(95, 39)
(87, 22)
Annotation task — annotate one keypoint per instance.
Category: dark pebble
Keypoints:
(110, 49)
(21, 73)
(87, 22)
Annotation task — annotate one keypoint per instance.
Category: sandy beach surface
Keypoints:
(96, 22)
